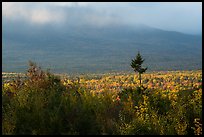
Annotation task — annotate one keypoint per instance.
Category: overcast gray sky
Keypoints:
(183, 17)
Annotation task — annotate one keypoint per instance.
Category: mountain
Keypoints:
(83, 49)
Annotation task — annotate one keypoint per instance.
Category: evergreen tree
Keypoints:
(136, 64)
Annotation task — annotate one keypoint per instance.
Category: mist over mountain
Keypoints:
(88, 48)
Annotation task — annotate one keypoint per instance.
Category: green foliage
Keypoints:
(42, 105)
(136, 64)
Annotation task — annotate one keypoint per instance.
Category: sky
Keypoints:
(185, 17)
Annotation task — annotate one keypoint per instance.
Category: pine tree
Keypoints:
(136, 64)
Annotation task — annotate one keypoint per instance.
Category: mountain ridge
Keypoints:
(93, 49)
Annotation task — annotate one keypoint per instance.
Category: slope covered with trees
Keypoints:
(43, 103)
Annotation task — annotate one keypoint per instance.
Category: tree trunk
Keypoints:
(140, 78)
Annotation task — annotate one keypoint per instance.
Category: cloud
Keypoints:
(70, 4)
(42, 16)
(177, 16)
(37, 14)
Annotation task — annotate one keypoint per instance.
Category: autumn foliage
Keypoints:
(44, 103)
